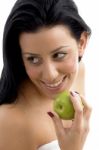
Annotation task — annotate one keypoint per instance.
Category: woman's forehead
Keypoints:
(46, 39)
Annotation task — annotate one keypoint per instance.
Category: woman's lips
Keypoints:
(54, 86)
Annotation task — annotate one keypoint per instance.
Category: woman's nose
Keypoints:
(50, 73)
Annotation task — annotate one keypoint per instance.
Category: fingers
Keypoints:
(87, 108)
(58, 125)
(81, 117)
(82, 110)
(75, 98)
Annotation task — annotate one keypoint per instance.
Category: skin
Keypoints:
(48, 49)
(80, 78)
(25, 125)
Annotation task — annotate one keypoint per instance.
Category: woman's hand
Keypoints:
(73, 137)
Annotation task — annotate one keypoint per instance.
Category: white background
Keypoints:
(89, 10)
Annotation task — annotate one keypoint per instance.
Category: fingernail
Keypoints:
(76, 92)
(73, 93)
(50, 114)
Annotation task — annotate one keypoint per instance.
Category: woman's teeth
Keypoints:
(54, 85)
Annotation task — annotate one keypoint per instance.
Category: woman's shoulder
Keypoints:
(10, 122)
(14, 133)
(7, 112)
(81, 68)
(79, 84)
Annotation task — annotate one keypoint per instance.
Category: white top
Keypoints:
(50, 146)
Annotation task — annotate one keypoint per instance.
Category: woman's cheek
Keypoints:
(74, 66)
(32, 73)
(71, 66)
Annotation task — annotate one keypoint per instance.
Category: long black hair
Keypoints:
(29, 16)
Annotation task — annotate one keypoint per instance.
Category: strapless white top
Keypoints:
(50, 146)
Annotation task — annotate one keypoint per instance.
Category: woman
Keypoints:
(43, 43)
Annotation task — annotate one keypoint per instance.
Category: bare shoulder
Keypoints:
(81, 68)
(79, 84)
(14, 134)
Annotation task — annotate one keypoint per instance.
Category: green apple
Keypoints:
(63, 106)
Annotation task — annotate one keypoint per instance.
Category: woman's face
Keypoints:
(50, 58)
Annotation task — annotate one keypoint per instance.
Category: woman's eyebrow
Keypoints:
(52, 51)
(30, 53)
(58, 48)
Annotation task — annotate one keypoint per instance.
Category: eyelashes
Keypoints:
(34, 60)
(59, 56)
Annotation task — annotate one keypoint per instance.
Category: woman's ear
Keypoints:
(82, 43)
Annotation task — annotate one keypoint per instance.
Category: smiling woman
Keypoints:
(54, 50)
(43, 43)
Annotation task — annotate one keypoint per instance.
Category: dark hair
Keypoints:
(31, 15)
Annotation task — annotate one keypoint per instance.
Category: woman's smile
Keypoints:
(54, 87)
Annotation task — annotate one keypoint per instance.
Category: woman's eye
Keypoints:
(59, 55)
(34, 60)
